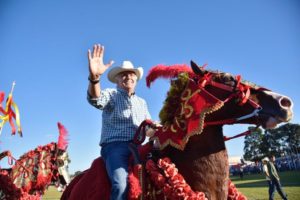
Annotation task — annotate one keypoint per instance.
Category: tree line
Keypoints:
(281, 141)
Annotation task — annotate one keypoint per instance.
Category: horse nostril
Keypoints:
(285, 102)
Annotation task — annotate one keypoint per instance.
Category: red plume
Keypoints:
(170, 71)
(62, 138)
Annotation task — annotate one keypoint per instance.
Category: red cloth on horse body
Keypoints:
(91, 184)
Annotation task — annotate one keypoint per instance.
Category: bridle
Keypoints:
(240, 91)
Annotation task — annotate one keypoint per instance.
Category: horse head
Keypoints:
(63, 169)
(244, 102)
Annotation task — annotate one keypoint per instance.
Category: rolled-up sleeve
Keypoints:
(104, 100)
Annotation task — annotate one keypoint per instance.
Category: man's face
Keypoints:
(127, 80)
(264, 162)
(273, 158)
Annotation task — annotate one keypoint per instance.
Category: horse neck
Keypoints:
(203, 163)
(210, 141)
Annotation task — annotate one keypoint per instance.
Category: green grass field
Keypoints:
(253, 186)
(52, 194)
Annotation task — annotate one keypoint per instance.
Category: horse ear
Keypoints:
(197, 69)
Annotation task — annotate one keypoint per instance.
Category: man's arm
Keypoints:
(266, 171)
(94, 89)
(267, 174)
(96, 69)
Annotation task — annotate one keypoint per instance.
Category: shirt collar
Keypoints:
(124, 92)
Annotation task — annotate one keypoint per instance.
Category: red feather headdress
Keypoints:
(62, 138)
(165, 71)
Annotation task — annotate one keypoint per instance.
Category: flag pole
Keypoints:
(12, 87)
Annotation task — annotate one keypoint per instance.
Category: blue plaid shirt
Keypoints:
(121, 116)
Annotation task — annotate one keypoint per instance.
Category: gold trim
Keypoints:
(186, 95)
(198, 131)
(174, 130)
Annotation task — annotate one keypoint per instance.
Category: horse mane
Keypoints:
(180, 74)
(172, 100)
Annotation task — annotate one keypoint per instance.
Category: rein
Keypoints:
(140, 134)
(239, 135)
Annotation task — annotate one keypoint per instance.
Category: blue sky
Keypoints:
(43, 47)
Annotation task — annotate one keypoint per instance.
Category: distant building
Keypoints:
(234, 160)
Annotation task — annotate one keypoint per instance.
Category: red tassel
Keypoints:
(233, 193)
(135, 189)
(62, 139)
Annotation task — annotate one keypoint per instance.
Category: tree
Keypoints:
(288, 137)
(253, 141)
(77, 173)
(270, 144)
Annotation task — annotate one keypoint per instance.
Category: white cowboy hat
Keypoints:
(265, 159)
(126, 66)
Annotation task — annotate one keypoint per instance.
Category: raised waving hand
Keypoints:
(96, 65)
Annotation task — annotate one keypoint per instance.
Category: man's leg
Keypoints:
(116, 156)
(271, 190)
(270, 185)
(279, 189)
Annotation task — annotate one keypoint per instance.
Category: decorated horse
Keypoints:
(186, 158)
(34, 171)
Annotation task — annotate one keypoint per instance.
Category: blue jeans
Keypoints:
(116, 156)
(270, 187)
(276, 184)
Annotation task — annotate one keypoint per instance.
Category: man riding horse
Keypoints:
(191, 142)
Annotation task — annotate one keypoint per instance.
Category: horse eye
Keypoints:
(229, 80)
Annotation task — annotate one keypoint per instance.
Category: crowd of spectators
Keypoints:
(286, 163)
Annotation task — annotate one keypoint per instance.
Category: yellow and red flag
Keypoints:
(10, 113)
